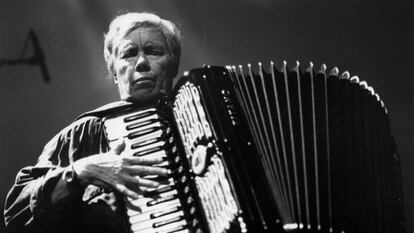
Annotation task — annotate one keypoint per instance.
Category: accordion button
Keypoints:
(190, 200)
(192, 210)
(180, 169)
(194, 222)
(174, 149)
(183, 179)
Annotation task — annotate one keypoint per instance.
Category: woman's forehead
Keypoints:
(145, 35)
(141, 35)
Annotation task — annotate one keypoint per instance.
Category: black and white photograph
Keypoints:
(169, 116)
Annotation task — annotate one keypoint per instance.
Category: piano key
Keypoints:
(149, 150)
(156, 154)
(119, 128)
(168, 219)
(163, 187)
(143, 132)
(150, 113)
(139, 115)
(170, 208)
(150, 140)
(165, 212)
(133, 152)
(147, 216)
(140, 125)
(145, 210)
(177, 227)
(144, 201)
(160, 223)
(161, 200)
(174, 227)
(119, 131)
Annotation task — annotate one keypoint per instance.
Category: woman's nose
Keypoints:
(142, 64)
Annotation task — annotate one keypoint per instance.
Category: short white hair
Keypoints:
(122, 25)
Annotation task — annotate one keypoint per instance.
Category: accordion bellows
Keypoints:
(273, 150)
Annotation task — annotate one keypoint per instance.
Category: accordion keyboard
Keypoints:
(171, 206)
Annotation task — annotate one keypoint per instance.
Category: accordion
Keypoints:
(265, 151)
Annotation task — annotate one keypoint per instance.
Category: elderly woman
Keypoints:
(77, 182)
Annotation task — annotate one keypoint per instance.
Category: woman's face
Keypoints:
(143, 65)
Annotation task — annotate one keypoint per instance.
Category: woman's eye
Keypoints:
(154, 51)
(129, 53)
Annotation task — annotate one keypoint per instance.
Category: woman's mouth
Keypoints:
(144, 82)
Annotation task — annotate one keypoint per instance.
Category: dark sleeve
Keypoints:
(28, 202)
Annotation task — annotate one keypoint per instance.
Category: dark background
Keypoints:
(371, 39)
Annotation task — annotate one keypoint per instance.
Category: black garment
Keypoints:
(28, 208)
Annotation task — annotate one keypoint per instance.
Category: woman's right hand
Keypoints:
(114, 171)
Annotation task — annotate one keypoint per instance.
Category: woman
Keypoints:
(78, 181)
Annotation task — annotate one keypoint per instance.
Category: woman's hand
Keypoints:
(116, 172)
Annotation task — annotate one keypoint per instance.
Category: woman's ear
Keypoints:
(115, 78)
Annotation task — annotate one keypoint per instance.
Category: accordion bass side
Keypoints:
(277, 151)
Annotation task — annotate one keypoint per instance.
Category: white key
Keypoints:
(150, 222)
(157, 154)
(142, 202)
(116, 128)
(162, 208)
(151, 230)
(117, 120)
(146, 209)
(142, 148)
(172, 226)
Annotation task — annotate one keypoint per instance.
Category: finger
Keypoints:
(160, 179)
(102, 184)
(159, 154)
(119, 147)
(127, 192)
(145, 160)
(147, 183)
(147, 170)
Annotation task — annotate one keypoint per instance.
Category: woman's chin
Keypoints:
(145, 95)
